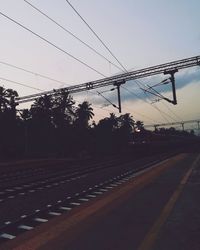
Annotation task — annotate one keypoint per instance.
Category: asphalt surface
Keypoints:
(182, 229)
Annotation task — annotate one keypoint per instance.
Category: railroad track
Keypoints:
(10, 229)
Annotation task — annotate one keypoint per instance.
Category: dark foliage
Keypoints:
(55, 127)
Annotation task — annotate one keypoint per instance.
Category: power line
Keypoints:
(164, 103)
(177, 116)
(70, 33)
(155, 107)
(19, 83)
(92, 30)
(92, 92)
(31, 72)
(52, 44)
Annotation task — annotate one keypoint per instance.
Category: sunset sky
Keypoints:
(140, 33)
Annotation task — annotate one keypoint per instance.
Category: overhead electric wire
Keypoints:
(97, 93)
(162, 97)
(177, 116)
(155, 107)
(19, 83)
(70, 33)
(124, 69)
(31, 72)
(52, 44)
(92, 30)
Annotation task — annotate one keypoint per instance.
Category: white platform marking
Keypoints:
(83, 199)
(65, 208)
(25, 227)
(91, 196)
(54, 213)
(75, 203)
(7, 236)
(40, 220)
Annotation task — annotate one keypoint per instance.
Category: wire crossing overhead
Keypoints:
(117, 79)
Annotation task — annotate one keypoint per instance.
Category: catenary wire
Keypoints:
(31, 72)
(52, 44)
(155, 107)
(21, 84)
(92, 30)
(73, 35)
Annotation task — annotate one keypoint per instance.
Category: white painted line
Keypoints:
(21, 193)
(98, 192)
(49, 205)
(24, 216)
(65, 208)
(40, 220)
(83, 199)
(75, 203)
(37, 210)
(77, 194)
(91, 196)
(32, 191)
(54, 213)
(11, 196)
(25, 227)
(113, 185)
(7, 236)
(109, 187)
(10, 190)
(103, 189)
(7, 222)
(68, 197)
(59, 201)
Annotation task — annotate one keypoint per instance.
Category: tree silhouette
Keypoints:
(84, 113)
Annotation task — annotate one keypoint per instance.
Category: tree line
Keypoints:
(54, 126)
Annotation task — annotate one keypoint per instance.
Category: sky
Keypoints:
(140, 33)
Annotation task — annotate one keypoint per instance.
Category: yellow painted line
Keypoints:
(152, 235)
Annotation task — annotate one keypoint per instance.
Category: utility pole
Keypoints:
(172, 78)
(183, 127)
(118, 84)
(198, 127)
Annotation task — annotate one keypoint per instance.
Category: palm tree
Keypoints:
(84, 113)
(7, 99)
(41, 110)
(139, 126)
(63, 110)
(127, 122)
